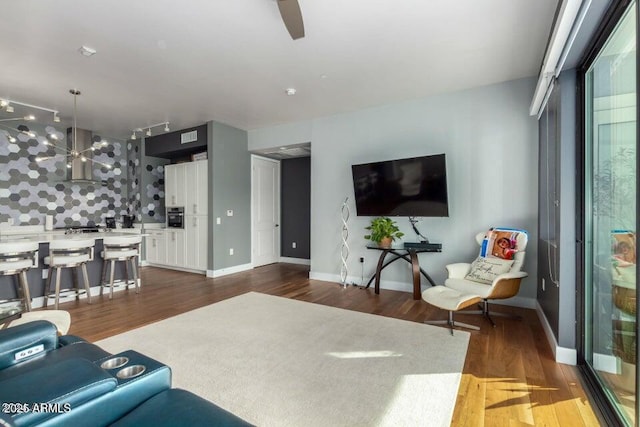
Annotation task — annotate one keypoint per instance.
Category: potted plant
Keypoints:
(383, 231)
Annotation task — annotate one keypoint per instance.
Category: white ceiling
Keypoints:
(191, 61)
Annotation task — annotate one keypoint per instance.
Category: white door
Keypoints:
(265, 210)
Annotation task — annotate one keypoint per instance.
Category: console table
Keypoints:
(410, 255)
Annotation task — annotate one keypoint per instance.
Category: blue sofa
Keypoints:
(46, 380)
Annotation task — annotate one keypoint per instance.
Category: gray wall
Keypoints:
(152, 187)
(229, 189)
(492, 157)
(295, 211)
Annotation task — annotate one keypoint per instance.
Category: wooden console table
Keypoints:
(408, 254)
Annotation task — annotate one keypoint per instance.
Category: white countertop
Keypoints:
(49, 236)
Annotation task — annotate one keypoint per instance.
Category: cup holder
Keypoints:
(114, 362)
(130, 372)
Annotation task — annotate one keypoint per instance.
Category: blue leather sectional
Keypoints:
(46, 380)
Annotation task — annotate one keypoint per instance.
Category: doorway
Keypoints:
(265, 211)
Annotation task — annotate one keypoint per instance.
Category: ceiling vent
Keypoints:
(187, 137)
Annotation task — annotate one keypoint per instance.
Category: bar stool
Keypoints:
(120, 248)
(69, 253)
(15, 259)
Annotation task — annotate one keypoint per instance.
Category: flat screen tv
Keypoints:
(405, 187)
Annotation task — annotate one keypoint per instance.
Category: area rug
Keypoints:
(279, 362)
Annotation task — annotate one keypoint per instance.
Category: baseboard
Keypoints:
(289, 260)
(568, 356)
(229, 270)
(171, 267)
(521, 302)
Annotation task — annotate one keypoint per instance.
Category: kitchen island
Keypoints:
(37, 275)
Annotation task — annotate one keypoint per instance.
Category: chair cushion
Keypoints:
(117, 254)
(484, 270)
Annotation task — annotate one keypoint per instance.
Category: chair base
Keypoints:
(452, 323)
(484, 311)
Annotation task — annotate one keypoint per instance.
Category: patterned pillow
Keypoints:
(503, 243)
(484, 270)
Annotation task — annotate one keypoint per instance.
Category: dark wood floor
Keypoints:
(509, 378)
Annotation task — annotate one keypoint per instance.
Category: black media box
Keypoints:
(435, 247)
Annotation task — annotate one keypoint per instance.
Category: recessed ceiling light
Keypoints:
(291, 91)
(323, 76)
(87, 51)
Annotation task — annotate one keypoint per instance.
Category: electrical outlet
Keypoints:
(293, 245)
(230, 251)
(230, 212)
(543, 283)
(361, 259)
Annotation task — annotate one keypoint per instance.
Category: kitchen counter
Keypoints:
(49, 236)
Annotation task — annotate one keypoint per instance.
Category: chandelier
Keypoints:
(74, 153)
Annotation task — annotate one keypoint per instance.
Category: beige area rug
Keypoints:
(279, 362)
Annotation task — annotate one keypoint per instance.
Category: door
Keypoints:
(265, 210)
(610, 218)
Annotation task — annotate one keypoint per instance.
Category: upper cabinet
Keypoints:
(186, 185)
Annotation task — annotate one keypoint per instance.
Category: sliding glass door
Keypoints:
(610, 317)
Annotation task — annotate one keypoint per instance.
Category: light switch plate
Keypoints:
(218, 220)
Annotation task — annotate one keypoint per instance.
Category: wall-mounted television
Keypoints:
(405, 187)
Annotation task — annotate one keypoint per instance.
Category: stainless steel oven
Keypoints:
(175, 217)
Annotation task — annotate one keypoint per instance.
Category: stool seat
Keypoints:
(67, 260)
(9, 266)
(15, 259)
(60, 318)
(119, 255)
(450, 300)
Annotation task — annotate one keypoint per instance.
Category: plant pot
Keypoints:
(385, 243)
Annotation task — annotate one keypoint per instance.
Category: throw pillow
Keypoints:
(484, 270)
(503, 243)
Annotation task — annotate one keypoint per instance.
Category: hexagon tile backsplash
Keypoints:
(30, 190)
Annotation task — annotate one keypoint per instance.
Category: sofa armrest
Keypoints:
(69, 339)
(24, 342)
(458, 270)
(53, 389)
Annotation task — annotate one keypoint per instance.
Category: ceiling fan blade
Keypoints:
(292, 17)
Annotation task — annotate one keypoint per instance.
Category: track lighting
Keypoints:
(148, 132)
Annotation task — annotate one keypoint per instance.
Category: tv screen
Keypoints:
(404, 187)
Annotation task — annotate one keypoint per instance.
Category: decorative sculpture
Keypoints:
(344, 250)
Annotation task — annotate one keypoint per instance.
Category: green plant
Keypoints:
(383, 227)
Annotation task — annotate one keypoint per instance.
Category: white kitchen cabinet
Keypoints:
(196, 188)
(186, 185)
(176, 248)
(175, 185)
(156, 247)
(196, 242)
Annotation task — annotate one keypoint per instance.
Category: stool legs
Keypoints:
(111, 266)
(24, 283)
(74, 276)
(134, 267)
